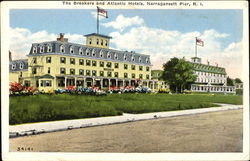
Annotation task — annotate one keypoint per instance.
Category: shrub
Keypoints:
(162, 90)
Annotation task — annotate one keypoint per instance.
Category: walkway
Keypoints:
(42, 127)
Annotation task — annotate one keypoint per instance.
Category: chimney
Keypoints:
(61, 38)
(207, 62)
(10, 56)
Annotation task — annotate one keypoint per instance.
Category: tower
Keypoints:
(97, 40)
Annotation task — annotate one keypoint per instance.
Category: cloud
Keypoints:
(122, 22)
(163, 45)
(21, 40)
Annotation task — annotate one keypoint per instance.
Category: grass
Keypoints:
(24, 109)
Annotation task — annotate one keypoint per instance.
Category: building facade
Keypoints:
(210, 78)
(58, 64)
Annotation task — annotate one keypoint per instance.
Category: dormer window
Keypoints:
(97, 41)
(21, 65)
(125, 57)
(101, 53)
(133, 58)
(109, 55)
(62, 49)
(147, 60)
(49, 48)
(80, 51)
(87, 52)
(106, 43)
(116, 56)
(93, 52)
(90, 41)
(71, 49)
(41, 49)
(140, 59)
(13, 66)
(34, 49)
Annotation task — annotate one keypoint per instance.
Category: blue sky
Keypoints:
(163, 33)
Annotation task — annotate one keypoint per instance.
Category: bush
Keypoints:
(239, 91)
(162, 90)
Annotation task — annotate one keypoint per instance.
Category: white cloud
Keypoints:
(163, 45)
(21, 40)
(122, 22)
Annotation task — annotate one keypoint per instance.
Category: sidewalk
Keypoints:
(42, 127)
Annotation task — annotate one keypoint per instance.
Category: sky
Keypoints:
(162, 34)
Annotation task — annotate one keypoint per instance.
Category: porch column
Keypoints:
(116, 83)
(101, 83)
(109, 82)
(84, 83)
(129, 82)
(123, 82)
(93, 81)
(65, 82)
(75, 81)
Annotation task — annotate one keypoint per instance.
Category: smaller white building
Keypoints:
(210, 78)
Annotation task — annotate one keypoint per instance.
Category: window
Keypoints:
(101, 41)
(116, 74)
(116, 56)
(80, 51)
(72, 71)
(133, 67)
(90, 41)
(48, 59)
(72, 60)
(108, 55)
(140, 76)
(140, 68)
(63, 60)
(88, 62)
(49, 48)
(125, 66)
(125, 75)
(109, 74)
(133, 75)
(41, 49)
(34, 71)
(34, 60)
(81, 62)
(71, 49)
(125, 57)
(21, 74)
(93, 63)
(116, 65)
(140, 59)
(101, 73)
(34, 49)
(133, 58)
(62, 49)
(147, 76)
(45, 83)
(87, 52)
(147, 69)
(21, 65)
(147, 60)
(101, 64)
(94, 73)
(81, 72)
(48, 70)
(88, 72)
(97, 41)
(109, 64)
(106, 43)
(93, 52)
(62, 71)
(101, 53)
(13, 66)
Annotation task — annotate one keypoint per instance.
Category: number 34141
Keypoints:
(24, 149)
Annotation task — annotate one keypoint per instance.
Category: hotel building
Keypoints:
(58, 64)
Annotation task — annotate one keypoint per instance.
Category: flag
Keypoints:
(102, 12)
(199, 42)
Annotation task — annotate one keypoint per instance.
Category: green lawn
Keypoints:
(24, 109)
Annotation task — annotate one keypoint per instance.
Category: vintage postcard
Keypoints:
(125, 80)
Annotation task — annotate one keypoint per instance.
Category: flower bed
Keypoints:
(16, 89)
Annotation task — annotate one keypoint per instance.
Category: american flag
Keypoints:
(102, 12)
(199, 42)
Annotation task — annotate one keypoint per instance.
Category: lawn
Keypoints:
(24, 109)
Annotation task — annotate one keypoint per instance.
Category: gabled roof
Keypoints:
(95, 34)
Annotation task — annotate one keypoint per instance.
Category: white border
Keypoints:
(6, 6)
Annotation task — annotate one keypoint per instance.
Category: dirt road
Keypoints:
(209, 132)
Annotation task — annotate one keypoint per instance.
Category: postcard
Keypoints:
(125, 80)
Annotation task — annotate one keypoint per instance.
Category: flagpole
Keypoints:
(195, 46)
(97, 18)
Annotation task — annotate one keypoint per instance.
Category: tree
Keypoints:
(178, 73)
(230, 82)
(237, 80)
